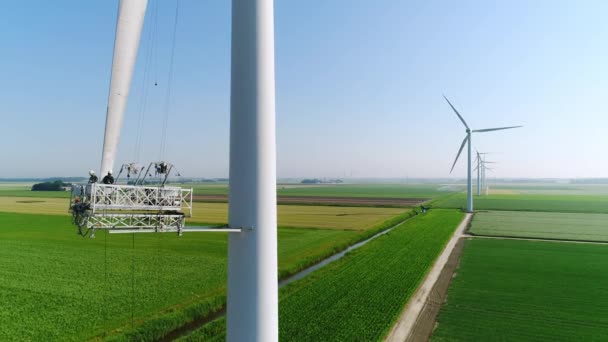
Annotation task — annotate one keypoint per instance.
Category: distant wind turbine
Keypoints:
(481, 172)
(478, 168)
(483, 180)
(467, 141)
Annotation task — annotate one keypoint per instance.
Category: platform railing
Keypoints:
(134, 209)
(110, 197)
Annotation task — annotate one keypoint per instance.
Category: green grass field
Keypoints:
(523, 202)
(359, 297)
(566, 226)
(507, 290)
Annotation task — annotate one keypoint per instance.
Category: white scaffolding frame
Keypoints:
(133, 209)
(106, 197)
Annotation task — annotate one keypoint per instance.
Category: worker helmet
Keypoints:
(109, 172)
(92, 173)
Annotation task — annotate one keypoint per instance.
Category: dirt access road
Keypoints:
(402, 329)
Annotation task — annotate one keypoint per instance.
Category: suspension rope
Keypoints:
(149, 61)
(157, 267)
(132, 279)
(155, 42)
(106, 282)
(163, 144)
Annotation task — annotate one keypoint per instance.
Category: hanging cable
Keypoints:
(149, 57)
(132, 280)
(157, 267)
(106, 282)
(155, 42)
(163, 144)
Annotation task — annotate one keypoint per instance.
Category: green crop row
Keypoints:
(507, 290)
(359, 297)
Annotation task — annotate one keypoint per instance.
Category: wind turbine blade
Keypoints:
(460, 151)
(455, 111)
(495, 129)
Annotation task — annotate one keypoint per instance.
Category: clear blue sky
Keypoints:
(359, 86)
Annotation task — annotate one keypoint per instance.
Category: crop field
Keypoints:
(55, 285)
(329, 201)
(351, 218)
(34, 205)
(566, 226)
(15, 185)
(551, 189)
(339, 190)
(376, 194)
(321, 217)
(553, 203)
(360, 296)
(29, 193)
(506, 290)
(23, 190)
(365, 190)
(208, 188)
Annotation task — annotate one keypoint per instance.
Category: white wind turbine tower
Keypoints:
(467, 141)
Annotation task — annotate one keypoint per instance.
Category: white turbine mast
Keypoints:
(467, 141)
(252, 304)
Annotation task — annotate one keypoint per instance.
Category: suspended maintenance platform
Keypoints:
(133, 209)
